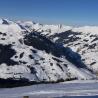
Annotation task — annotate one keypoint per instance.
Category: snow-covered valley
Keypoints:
(67, 89)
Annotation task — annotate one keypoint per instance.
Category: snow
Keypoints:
(71, 88)
(16, 31)
(87, 29)
(44, 70)
(10, 28)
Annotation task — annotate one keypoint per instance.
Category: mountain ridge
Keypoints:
(36, 55)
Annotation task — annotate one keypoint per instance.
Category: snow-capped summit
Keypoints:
(5, 21)
(9, 26)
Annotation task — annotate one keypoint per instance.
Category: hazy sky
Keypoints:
(69, 12)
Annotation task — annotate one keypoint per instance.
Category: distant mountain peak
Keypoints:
(5, 21)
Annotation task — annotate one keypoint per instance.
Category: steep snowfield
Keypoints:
(83, 40)
(86, 44)
(26, 53)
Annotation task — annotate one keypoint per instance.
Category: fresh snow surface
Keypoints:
(72, 88)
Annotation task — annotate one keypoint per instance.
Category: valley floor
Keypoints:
(68, 89)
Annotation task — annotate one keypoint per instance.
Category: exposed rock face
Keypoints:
(6, 52)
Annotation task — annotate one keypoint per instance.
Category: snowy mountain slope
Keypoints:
(83, 40)
(86, 44)
(26, 54)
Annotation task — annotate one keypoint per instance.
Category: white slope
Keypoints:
(37, 65)
(86, 43)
